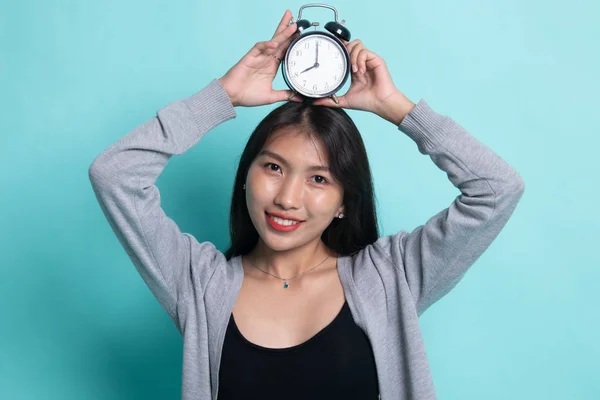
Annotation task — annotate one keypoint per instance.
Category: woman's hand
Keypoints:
(372, 88)
(250, 81)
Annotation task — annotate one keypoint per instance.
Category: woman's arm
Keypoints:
(123, 178)
(436, 255)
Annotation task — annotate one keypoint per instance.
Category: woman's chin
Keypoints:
(278, 244)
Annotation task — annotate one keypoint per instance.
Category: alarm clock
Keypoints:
(317, 63)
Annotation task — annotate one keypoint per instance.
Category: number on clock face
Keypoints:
(305, 75)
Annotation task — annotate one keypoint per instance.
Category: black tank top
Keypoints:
(336, 363)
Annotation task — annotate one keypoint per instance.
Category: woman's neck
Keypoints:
(290, 263)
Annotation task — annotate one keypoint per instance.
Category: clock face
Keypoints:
(316, 65)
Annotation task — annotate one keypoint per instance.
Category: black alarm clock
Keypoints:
(316, 63)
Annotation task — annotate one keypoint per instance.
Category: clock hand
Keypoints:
(316, 65)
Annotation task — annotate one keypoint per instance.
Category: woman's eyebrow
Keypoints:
(285, 163)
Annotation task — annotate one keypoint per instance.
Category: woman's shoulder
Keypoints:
(209, 264)
(378, 264)
(386, 251)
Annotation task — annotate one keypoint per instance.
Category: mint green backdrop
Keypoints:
(77, 322)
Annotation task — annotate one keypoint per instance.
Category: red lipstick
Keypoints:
(282, 228)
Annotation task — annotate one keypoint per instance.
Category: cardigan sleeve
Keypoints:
(436, 255)
(171, 263)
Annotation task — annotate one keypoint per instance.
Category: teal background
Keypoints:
(77, 322)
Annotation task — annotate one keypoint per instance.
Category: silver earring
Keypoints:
(244, 187)
(341, 215)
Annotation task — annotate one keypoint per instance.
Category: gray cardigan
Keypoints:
(388, 285)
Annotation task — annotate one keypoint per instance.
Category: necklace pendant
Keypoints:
(285, 285)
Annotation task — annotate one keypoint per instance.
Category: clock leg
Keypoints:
(291, 96)
(335, 99)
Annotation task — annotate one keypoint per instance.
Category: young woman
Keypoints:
(309, 301)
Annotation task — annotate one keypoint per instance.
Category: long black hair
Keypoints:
(348, 163)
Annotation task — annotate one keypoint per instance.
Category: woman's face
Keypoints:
(290, 193)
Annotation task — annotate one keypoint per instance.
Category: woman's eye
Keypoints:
(320, 179)
(272, 167)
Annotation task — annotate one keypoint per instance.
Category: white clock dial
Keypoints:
(315, 74)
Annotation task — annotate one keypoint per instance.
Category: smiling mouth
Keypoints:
(282, 225)
(281, 221)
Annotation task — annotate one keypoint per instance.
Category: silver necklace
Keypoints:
(285, 284)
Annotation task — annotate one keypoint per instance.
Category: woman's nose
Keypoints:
(290, 193)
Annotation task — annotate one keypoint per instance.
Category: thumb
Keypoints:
(328, 102)
(284, 95)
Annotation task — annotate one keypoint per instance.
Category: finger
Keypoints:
(282, 49)
(328, 102)
(350, 45)
(266, 47)
(355, 49)
(285, 34)
(373, 60)
(361, 60)
(284, 95)
(285, 20)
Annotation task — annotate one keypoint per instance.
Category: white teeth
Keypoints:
(284, 222)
